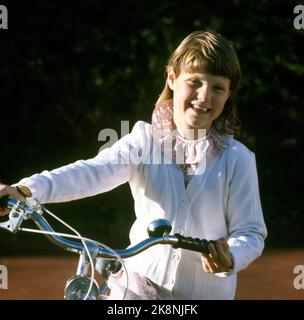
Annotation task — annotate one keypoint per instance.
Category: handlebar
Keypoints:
(81, 286)
(33, 210)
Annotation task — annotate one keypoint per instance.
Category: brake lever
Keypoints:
(16, 217)
(20, 211)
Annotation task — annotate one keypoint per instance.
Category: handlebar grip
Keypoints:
(192, 244)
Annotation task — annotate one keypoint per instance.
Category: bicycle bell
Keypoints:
(159, 227)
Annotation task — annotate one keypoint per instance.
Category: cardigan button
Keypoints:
(175, 257)
(180, 231)
(183, 203)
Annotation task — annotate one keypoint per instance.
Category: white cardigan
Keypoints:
(222, 202)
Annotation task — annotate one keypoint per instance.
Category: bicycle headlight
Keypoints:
(77, 287)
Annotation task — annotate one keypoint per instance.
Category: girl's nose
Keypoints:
(204, 93)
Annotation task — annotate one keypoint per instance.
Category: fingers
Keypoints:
(223, 254)
(205, 265)
(212, 249)
(218, 259)
(6, 190)
(4, 212)
(209, 265)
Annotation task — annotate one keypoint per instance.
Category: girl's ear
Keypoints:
(170, 80)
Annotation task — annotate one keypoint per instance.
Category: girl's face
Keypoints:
(198, 99)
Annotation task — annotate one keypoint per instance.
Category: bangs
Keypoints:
(193, 62)
(217, 61)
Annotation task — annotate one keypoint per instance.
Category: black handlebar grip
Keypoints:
(192, 244)
(3, 202)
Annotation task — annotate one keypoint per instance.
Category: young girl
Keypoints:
(191, 172)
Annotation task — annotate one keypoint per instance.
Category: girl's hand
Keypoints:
(219, 259)
(9, 191)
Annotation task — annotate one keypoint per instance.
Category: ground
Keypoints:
(269, 277)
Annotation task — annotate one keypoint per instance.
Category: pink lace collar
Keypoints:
(185, 152)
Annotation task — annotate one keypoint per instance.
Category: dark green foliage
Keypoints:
(70, 69)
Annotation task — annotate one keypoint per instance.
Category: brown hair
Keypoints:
(211, 53)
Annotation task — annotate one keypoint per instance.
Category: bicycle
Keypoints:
(92, 253)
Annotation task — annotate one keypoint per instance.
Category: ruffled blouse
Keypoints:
(187, 154)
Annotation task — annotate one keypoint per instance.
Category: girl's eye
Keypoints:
(195, 82)
(219, 89)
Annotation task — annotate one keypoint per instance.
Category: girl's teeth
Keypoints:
(201, 109)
